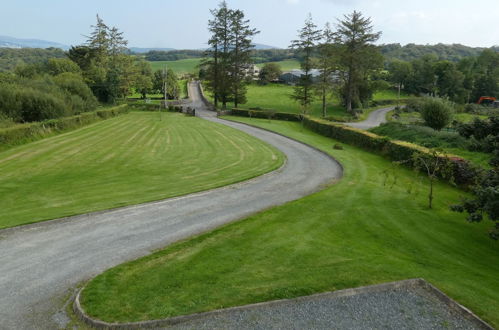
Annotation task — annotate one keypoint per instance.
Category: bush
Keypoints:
(436, 113)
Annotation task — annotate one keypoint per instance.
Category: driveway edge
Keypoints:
(407, 284)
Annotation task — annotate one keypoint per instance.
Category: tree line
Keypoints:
(462, 82)
(61, 84)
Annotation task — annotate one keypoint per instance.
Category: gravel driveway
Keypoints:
(40, 264)
(375, 118)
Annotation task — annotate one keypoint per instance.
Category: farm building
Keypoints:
(252, 71)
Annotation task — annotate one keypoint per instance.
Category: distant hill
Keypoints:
(10, 42)
(261, 46)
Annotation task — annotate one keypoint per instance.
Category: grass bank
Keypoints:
(127, 160)
(371, 227)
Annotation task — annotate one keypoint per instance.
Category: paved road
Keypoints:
(40, 264)
(374, 119)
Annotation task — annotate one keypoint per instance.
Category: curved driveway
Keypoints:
(40, 264)
(375, 118)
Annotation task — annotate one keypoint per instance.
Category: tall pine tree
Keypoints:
(228, 58)
(308, 36)
(358, 55)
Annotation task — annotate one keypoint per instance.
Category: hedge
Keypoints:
(266, 114)
(154, 107)
(38, 130)
(464, 173)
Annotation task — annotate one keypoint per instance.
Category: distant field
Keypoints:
(127, 160)
(180, 67)
(287, 65)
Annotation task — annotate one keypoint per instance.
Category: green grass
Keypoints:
(277, 97)
(286, 65)
(389, 94)
(179, 67)
(365, 229)
(127, 160)
(468, 117)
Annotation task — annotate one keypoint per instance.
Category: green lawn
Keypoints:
(366, 229)
(179, 67)
(286, 65)
(389, 94)
(277, 97)
(126, 160)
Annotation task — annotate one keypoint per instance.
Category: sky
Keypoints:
(182, 24)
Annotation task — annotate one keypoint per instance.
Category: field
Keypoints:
(277, 97)
(179, 67)
(373, 226)
(127, 160)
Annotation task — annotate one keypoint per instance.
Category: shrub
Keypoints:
(436, 113)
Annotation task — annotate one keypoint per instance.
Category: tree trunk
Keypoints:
(323, 102)
(430, 196)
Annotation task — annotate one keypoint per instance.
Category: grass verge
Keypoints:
(127, 160)
(371, 227)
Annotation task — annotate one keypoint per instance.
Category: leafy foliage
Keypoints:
(437, 113)
(270, 72)
(11, 58)
(485, 204)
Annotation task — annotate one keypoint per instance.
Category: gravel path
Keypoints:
(401, 308)
(40, 264)
(374, 119)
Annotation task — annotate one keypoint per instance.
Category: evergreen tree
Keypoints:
(228, 58)
(327, 64)
(241, 35)
(358, 56)
(308, 36)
